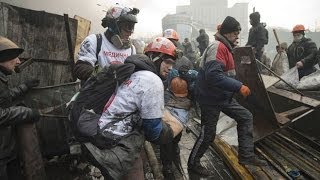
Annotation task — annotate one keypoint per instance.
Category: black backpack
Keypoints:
(97, 90)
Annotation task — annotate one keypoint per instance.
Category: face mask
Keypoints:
(297, 38)
(120, 43)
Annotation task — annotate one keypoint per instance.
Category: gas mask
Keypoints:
(119, 40)
(120, 43)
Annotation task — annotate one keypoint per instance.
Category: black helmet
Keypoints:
(8, 49)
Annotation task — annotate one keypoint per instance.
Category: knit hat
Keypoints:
(229, 25)
(8, 50)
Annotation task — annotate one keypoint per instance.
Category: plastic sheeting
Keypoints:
(291, 77)
(310, 82)
(280, 64)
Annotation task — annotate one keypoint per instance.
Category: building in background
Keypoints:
(207, 14)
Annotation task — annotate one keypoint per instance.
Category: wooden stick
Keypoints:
(276, 35)
(70, 46)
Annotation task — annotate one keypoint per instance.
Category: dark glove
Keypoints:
(83, 70)
(35, 116)
(32, 83)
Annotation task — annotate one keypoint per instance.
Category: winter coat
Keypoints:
(187, 48)
(203, 40)
(215, 83)
(183, 61)
(305, 50)
(10, 116)
(258, 37)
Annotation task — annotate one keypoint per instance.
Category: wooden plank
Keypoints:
(257, 172)
(294, 112)
(83, 29)
(231, 159)
(70, 46)
(275, 169)
(265, 121)
(43, 36)
(282, 120)
(295, 97)
(49, 74)
(3, 20)
(269, 80)
(153, 160)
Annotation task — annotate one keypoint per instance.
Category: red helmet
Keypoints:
(298, 28)
(171, 34)
(162, 45)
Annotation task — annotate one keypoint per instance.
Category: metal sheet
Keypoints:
(295, 97)
(265, 122)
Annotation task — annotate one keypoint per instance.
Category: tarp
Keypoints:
(310, 82)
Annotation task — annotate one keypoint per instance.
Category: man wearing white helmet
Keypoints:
(111, 47)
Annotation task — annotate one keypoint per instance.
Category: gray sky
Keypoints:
(287, 13)
(276, 13)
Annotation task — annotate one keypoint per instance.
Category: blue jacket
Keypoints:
(215, 83)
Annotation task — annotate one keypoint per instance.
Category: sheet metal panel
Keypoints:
(265, 120)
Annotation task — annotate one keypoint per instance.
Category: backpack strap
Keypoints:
(132, 49)
(99, 43)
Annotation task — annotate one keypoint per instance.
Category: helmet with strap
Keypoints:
(163, 46)
(119, 13)
(120, 18)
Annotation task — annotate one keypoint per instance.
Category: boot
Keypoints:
(199, 169)
(254, 161)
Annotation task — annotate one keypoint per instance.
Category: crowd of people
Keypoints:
(158, 97)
